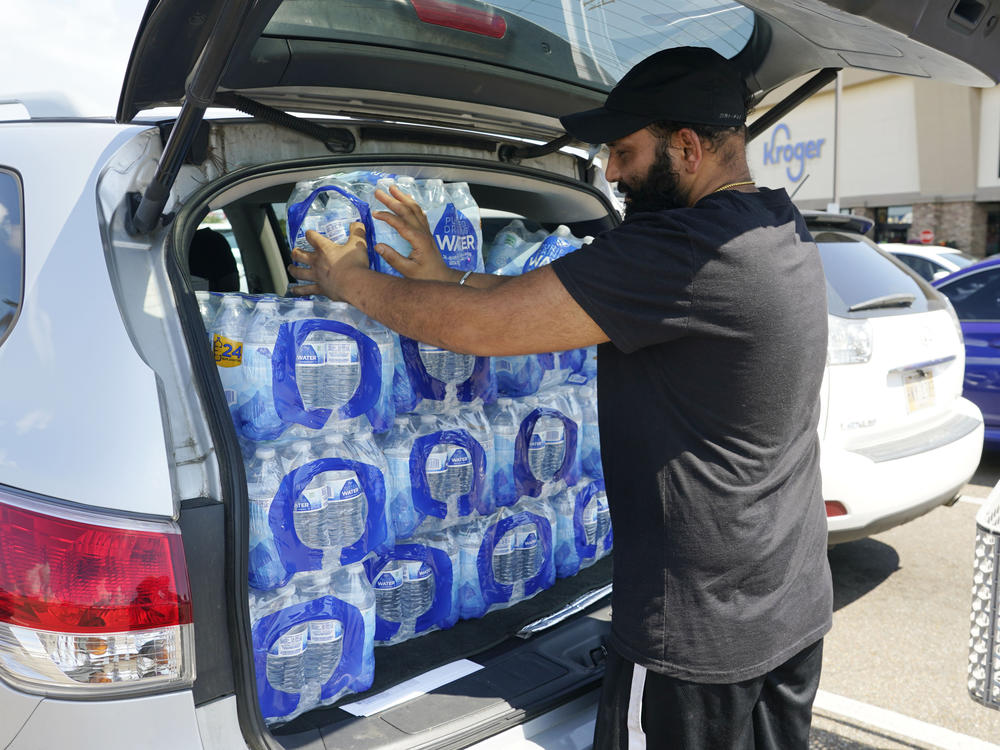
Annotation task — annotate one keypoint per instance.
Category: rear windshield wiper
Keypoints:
(889, 300)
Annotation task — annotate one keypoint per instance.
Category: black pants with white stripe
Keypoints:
(641, 709)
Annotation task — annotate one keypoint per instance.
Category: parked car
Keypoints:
(931, 262)
(974, 292)
(124, 614)
(898, 438)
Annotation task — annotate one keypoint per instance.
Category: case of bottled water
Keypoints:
(515, 251)
(507, 557)
(584, 533)
(429, 378)
(452, 214)
(439, 469)
(416, 587)
(327, 206)
(313, 641)
(328, 508)
(537, 443)
(310, 366)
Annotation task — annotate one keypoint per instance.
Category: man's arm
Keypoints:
(521, 315)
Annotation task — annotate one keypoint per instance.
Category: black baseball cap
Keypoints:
(683, 84)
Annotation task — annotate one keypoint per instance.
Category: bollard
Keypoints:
(984, 640)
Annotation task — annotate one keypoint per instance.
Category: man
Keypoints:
(708, 303)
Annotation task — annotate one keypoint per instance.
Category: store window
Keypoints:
(992, 232)
(892, 223)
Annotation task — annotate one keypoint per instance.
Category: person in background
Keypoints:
(708, 306)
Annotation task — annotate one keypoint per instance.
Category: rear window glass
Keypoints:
(959, 259)
(858, 275)
(593, 42)
(11, 250)
(976, 296)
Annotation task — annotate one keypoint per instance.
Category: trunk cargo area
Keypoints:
(315, 648)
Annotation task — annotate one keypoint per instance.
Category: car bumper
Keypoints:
(886, 485)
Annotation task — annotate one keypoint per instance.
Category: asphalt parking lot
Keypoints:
(894, 672)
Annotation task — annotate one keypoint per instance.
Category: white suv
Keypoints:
(124, 615)
(898, 439)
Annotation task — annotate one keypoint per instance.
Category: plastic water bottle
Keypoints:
(536, 450)
(297, 453)
(470, 594)
(338, 215)
(345, 508)
(258, 348)
(342, 363)
(323, 650)
(204, 299)
(350, 584)
(434, 202)
(286, 660)
(468, 252)
(505, 426)
(459, 470)
(603, 523)
(436, 466)
(309, 508)
(555, 446)
(384, 410)
(310, 357)
(526, 555)
(590, 520)
(505, 569)
(388, 587)
(566, 558)
(591, 438)
(385, 233)
(448, 367)
(346, 502)
(228, 330)
(326, 634)
(418, 589)
(264, 476)
(559, 243)
(506, 245)
(397, 446)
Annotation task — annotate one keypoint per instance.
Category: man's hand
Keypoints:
(330, 264)
(407, 218)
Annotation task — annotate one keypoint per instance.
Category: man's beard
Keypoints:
(658, 191)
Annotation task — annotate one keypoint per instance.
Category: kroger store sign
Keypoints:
(781, 149)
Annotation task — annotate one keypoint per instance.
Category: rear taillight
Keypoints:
(849, 341)
(834, 508)
(483, 21)
(89, 603)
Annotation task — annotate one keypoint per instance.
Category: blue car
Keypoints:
(975, 294)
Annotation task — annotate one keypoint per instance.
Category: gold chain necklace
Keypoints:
(732, 185)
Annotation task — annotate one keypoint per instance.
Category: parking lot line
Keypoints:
(971, 499)
(898, 724)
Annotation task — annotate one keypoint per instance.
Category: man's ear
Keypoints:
(692, 151)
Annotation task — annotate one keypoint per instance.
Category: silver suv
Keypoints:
(124, 505)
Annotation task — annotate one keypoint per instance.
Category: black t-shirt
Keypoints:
(708, 397)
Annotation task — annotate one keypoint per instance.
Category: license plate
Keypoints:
(919, 390)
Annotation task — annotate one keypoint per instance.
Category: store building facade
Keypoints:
(921, 158)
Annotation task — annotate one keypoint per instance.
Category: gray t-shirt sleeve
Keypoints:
(633, 281)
